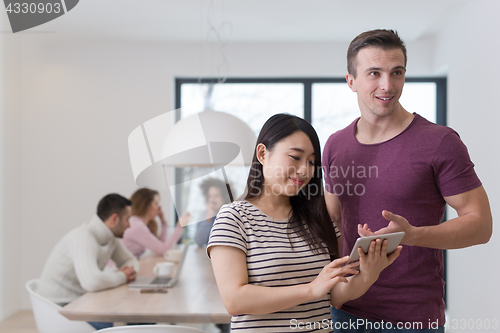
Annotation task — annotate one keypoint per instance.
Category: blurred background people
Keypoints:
(215, 192)
(77, 264)
(143, 231)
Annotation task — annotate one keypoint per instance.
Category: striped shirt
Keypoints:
(271, 262)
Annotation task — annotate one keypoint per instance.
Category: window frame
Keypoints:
(441, 106)
(441, 86)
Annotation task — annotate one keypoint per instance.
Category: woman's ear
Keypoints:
(260, 152)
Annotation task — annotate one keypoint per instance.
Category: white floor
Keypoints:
(21, 322)
(24, 322)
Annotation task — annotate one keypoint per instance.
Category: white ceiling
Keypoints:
(250, 20)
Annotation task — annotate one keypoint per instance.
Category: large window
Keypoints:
(328, 104)
(334, 105)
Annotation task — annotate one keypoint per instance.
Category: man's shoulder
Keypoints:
(71, 241)
(422, 125)
(72, 234)
(81, 234)
(346, 131)
(341, 135)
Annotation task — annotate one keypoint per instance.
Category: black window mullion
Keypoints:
(178, 172)
(441, 106)
(308, 101)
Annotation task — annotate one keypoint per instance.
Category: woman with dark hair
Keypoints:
(272, 252)
(143, 231)
(215, 192)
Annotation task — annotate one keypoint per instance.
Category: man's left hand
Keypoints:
(129, 272)
(397, 223)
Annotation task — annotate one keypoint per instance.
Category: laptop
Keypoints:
(157, 282)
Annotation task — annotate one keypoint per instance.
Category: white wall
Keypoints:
(10, 128)
(70, 106)
(75, 104)
(468, 45)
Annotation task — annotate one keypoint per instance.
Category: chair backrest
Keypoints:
(47, 316)
(151, 329)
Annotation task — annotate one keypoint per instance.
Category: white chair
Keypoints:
(151, 329)
(47, 316)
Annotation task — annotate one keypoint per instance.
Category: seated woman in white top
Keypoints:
(272, 252)
(143, 231)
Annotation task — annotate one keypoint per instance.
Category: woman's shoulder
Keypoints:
(241, 208)
(137, 226)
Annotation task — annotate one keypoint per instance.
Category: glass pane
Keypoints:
(420, 97)
(253, 103)
(335, 106)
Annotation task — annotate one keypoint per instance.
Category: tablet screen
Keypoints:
(364, 242)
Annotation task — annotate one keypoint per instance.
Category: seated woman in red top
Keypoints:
(143, 231)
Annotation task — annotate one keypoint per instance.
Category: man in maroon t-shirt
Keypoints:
(389, 162)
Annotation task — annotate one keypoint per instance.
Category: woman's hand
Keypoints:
(184, 219)
(161, 216)
(330, 275)
(240, 297)
(376, 260)
(370, 266)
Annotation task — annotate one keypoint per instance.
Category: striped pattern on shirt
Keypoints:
(271, 262)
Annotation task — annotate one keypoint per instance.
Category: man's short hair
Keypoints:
(110, 204)
(381, 38)
(214, 182)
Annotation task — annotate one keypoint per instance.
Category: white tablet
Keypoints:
(394, 239)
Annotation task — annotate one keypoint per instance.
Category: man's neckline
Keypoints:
(415, 116)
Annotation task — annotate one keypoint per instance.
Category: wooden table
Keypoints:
(195, 298)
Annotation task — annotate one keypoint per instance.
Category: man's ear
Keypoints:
(114, 219)
(350, 82)
(260, 151)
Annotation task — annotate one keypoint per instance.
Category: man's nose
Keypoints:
(385, 83)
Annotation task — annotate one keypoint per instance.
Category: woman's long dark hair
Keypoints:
(309, 217)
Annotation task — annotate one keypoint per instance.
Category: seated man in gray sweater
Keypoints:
(77, 264)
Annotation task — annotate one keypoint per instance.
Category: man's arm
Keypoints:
(473, 225)
(84, 254)
(123, 257)
(333, 206)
